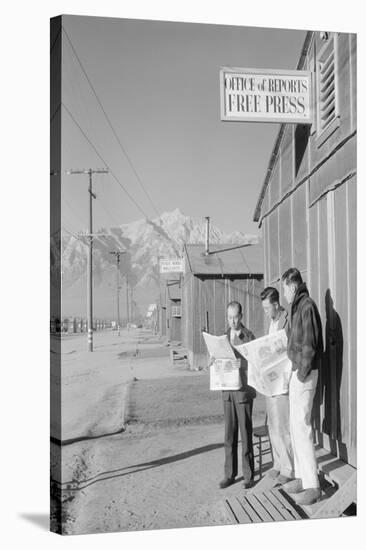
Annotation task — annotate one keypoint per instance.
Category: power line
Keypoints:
(104, 162)
(167, 236)
(110, 123)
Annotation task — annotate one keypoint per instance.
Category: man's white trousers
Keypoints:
(301, 396)
(278, 413)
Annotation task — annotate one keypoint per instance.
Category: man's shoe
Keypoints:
(273, 473)
(226, 482)
(283, 479)
(294, 486)
(308, 496)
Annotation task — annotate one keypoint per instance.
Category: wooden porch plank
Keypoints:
(279, 506)
(230, 511)
(274, 512)
(237, 510)
(282, 504)
(258, 507)
(249, 510)
(288, 505)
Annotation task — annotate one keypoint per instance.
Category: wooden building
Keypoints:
(173, 310)
(210, 282)
(168, 307)
(161, 312)
(307, 211)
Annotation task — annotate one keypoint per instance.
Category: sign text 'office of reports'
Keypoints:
(261, 95)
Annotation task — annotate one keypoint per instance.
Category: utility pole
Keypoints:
(160, 306)
(131, 302)
(127, 302)
(207, 245)
(92, 196)
(118, 254)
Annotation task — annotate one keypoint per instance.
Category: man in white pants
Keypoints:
(278, 405)
(304, 348)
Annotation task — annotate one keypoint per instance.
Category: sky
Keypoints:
(158, 83)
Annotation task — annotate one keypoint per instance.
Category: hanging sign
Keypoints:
(265, 95)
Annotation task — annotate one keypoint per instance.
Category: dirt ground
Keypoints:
(163, 470)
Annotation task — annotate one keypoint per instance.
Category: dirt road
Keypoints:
(163, 470)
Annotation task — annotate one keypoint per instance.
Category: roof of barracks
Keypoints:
(242, 262)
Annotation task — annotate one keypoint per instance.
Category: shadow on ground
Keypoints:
(41, 520)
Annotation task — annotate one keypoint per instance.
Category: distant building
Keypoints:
(210, 282)
(307, 211)
(173, 309)
(161, 311)
(152, 317)
(168, 306)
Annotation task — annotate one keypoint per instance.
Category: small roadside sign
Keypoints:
(171, 265)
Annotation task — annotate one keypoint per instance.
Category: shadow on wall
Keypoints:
(302, 134)
(329, 386)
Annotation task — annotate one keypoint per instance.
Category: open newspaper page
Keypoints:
(269, 368)
(218, 346)
(224, 372)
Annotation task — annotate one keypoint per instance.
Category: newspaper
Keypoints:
(269, 368)
(224, 372)
(218, 346)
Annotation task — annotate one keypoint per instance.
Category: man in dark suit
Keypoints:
(238, 407)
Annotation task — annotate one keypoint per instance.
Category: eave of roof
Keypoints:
(273, 157)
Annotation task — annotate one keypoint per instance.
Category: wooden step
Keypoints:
(338, 487)
(343, 497)
(327, 491)
(333, 468)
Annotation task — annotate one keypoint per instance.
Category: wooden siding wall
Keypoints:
(163, 326)
(309, 222)
(174, 332)
(204, 304)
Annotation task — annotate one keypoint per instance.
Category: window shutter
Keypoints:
(327, 86)
(327, 89)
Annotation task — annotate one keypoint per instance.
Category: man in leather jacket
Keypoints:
(304, 348)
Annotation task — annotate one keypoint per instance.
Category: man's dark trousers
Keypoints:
(238, 416)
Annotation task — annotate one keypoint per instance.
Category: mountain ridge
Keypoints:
(143, 243)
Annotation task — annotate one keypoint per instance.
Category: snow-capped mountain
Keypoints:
(144, 242)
